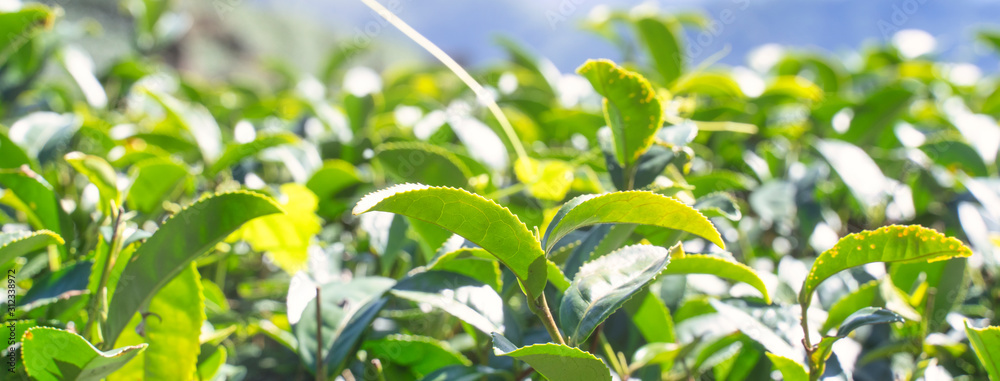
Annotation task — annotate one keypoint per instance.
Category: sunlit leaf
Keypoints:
(99, 172)
(985, 341)
(554, 361)
(635, 207)
(662, 38)
(421, 355)
(631, 107)
(479, 220)
(886, 244)
(423, 163)
(285, 237)
(727, 268)
(58, 355)
(605, 284)
(188, 234)
(460, 296)
(19, 244)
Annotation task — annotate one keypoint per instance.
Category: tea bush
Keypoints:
(646, 219)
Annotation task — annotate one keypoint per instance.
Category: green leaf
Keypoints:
(874, 117)
(423, 163)
(555, 362)
(155, 179)
(60, 284)
(858, 171)
(712, 84)
(335, 176)
(651, 317)
(194, 118)
(458, 295)
(955, 154)
(682, 263)
(57, 355)
(99, 172)
(239, 151)
(30, 193)
(790, 369)
(464, 373)
(865, 296)
(863, 317)
(211, 358)
(633, 207)
(605, 284)
(19, 244)
(656, 354)
(545, 179)
(285, 237)
(481, 221)
(347, 310)
(886, 244)
(17, 27)
(631, 107)
(662, 38)
(795, 87)
(422, 355)
(475, 263)
(13, 156)
(188, 234)
(754, 329)
(718, 205)
(867, 316)
(172, 331)
(985, 342)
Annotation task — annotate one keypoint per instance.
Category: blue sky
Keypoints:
(466, 28)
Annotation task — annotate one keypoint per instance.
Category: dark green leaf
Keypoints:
(605, 284)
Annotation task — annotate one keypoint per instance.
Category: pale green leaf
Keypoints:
(285, 237)
(682, 263)
(481, 221)
(790, 369)
(172, 332)
(475, 263)
(633, 207)
(99, 172)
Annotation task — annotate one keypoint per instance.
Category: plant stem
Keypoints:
(540, 307)
(805, 340)
(320, 376)
(95, 310)
(609, 353)
(481, 93)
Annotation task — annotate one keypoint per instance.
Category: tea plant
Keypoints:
(653, 218)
